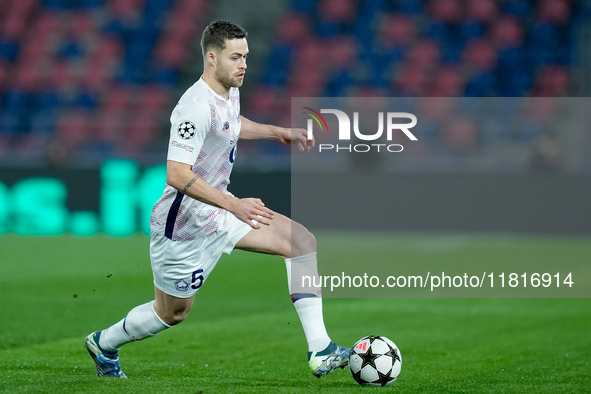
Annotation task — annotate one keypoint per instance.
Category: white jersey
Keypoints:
(204, 132)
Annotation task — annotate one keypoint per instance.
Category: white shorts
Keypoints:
(181, 267)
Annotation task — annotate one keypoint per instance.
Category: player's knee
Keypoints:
(303, 242)
(174, 316)
(177, 318)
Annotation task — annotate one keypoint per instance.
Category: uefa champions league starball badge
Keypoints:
(186, 130)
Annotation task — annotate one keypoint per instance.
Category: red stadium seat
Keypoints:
(26, 77)
(447, 83)
(293, 28)
(82, 25)
(397, 29)
(263, 101)
(118, 98)
(16, 17)
(342, 52)
(411, 81)
(191, 7)
(171, 52)
(480, 55)
(61, 75)
(72, 128)
(154, 98)
(307, 82)
(125, 8)
(48, 23)
(425, 54)
(108, 125)
(552, 81)
(139, 131)
(507, 32)
(482, 10)
(338, 10)
(554, 11)
(448, 11)
(12, 27)
(309, 55)
(4, 71)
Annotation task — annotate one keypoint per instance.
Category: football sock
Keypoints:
(141, 322)
(307, 299)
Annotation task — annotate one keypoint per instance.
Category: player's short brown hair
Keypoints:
(217, 32)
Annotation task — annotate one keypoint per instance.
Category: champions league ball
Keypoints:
(375, 361)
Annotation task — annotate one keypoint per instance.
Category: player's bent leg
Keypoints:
(292, 241)
(283, 237)
(103, 346)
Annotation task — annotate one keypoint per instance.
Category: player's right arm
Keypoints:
(249, 210)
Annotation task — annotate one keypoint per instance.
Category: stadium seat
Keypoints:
(424, 54)
(552, 82)
(154, 99)
(447, 83)
(397, 29)
(292, 29)
(445, 11)
(341, 11)
(484, 11)
(8, 49)
(507, 32)
(410, 81)
(72, 128)
(480, 56)
(556, 12)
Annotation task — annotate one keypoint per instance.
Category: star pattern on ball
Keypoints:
(186, 130)
(368, 358)
(384, 379)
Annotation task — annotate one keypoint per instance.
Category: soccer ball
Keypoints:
(375, 361)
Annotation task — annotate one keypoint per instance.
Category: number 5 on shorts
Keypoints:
(197, 279)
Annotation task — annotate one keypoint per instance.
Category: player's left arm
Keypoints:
(250, 130)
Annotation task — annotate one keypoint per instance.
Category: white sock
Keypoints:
(307, 299)
(141, 322)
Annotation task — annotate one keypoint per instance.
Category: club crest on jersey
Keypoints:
(186, 130)
(181, 285)
(226, 125)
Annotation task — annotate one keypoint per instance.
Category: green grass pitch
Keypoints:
(243, 335)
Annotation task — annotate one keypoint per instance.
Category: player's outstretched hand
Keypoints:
(297, 137)
(253, 212)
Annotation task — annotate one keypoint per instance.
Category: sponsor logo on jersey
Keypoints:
(232, 156)
(181, 285)
(188, 148)
(186, 130)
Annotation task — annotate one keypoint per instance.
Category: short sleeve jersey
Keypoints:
(204, 131)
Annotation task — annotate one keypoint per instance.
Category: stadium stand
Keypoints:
(92, 76)
(99, 77)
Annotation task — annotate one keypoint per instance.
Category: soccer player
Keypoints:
(197, 218)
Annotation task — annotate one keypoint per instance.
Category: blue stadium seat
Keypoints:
(8, 49)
